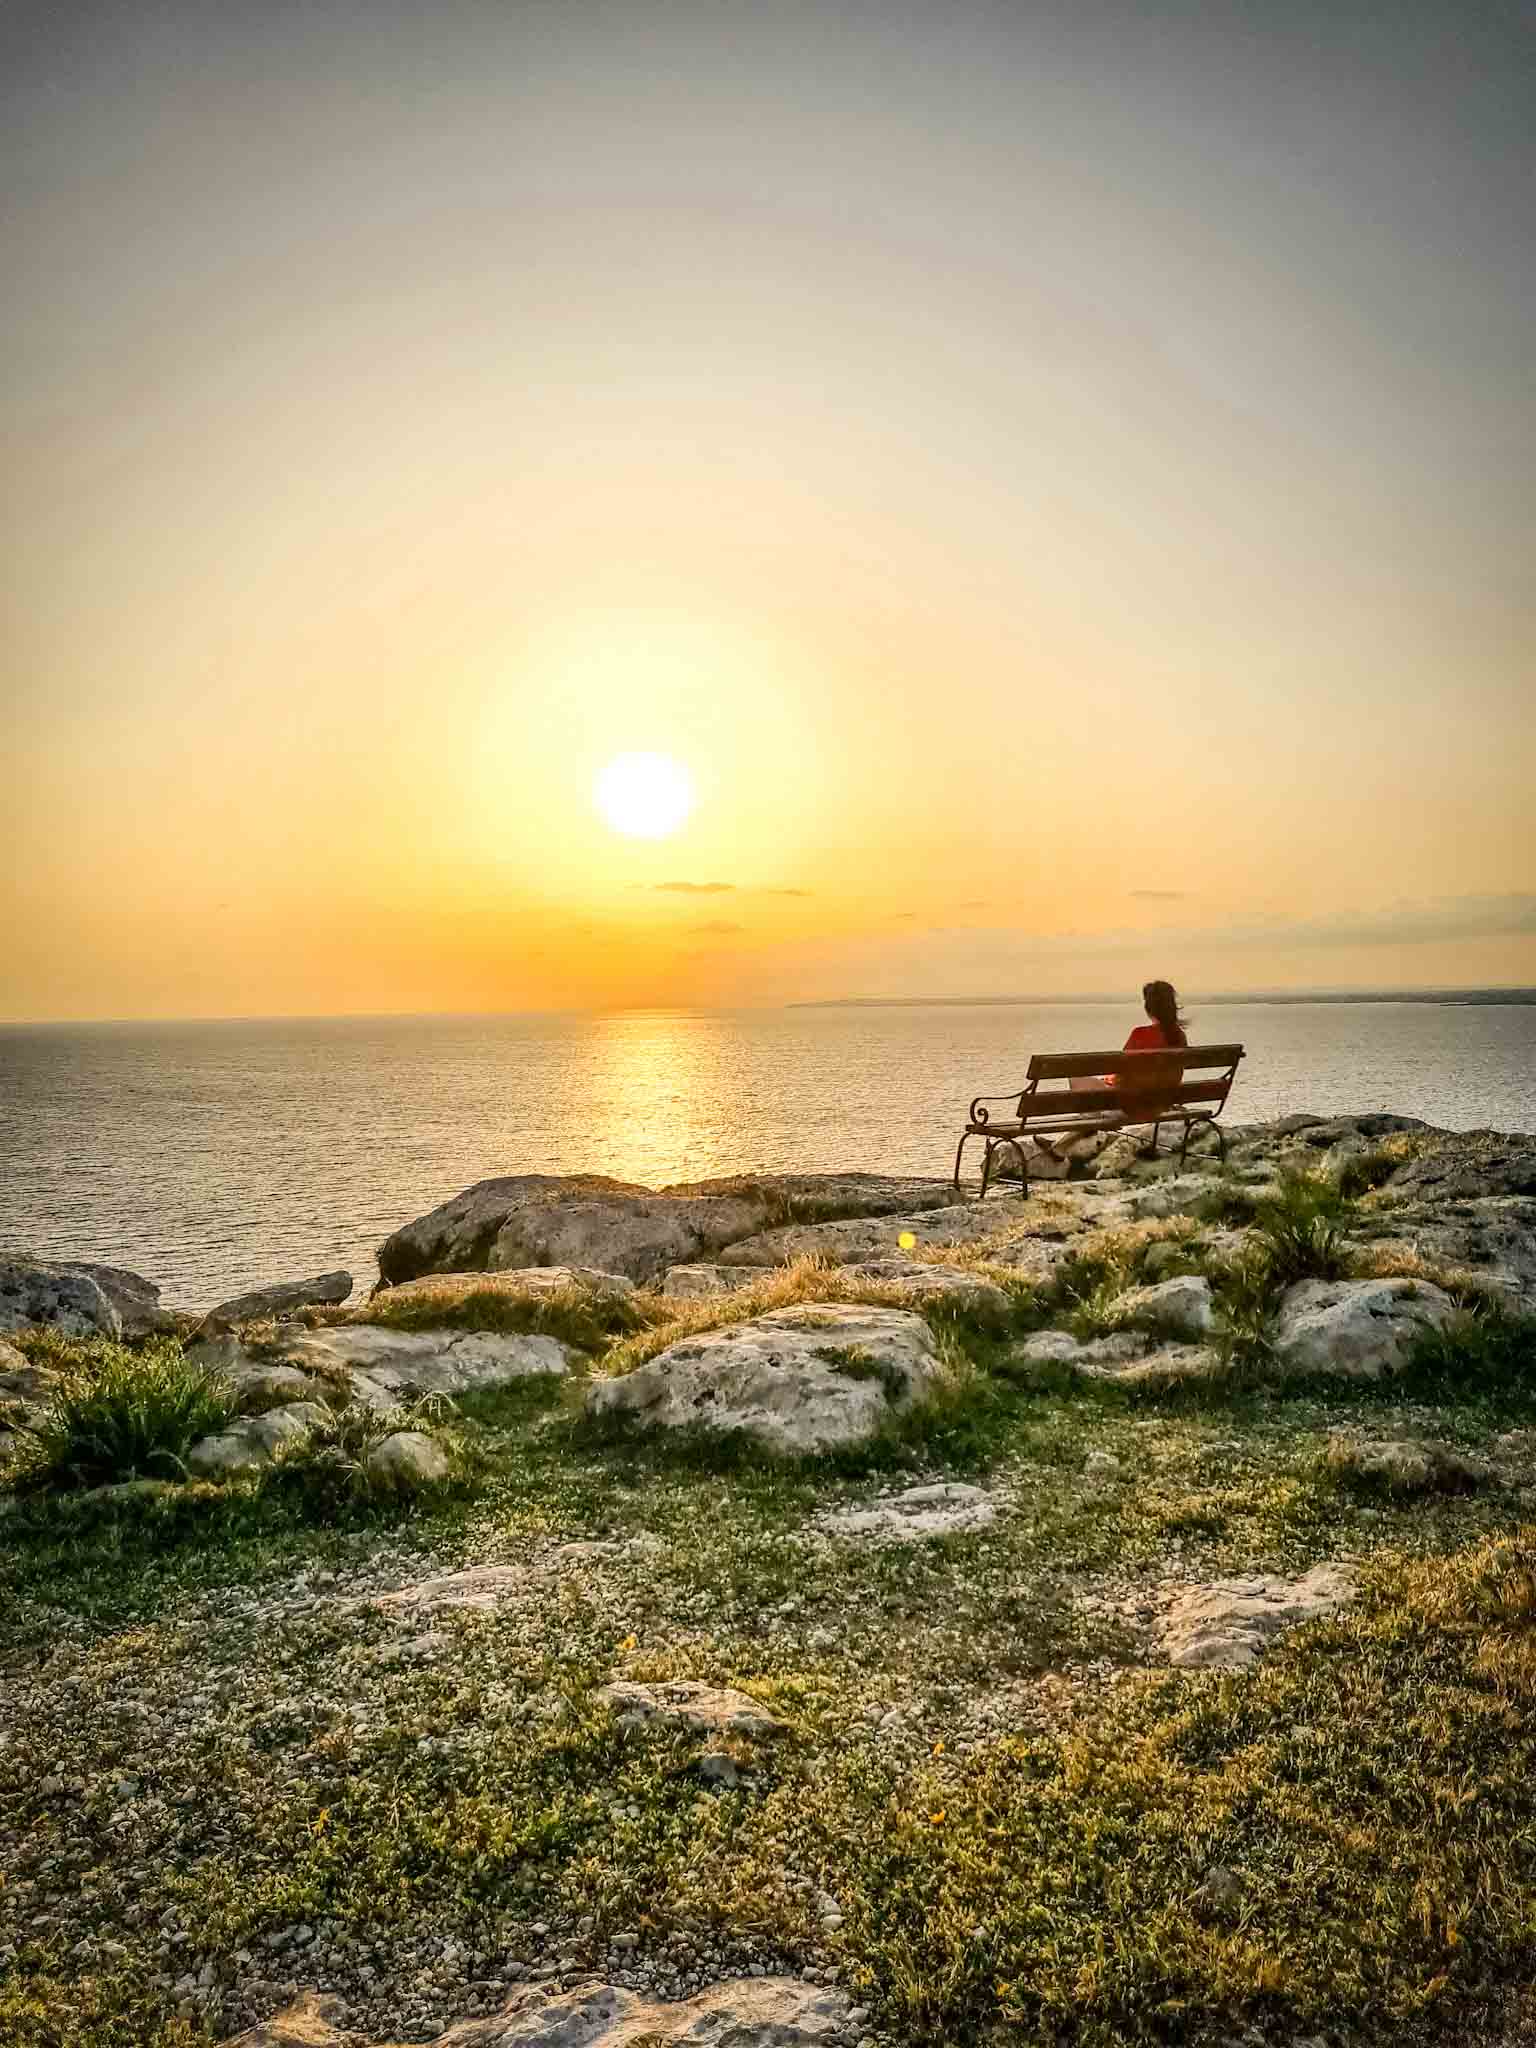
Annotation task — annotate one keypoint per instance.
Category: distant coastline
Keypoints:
(1478, 996)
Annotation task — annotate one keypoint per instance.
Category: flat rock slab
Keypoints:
(798, 1379)
(480, 1589)
(1130, 1356)
(1357, 1328)
(55, 1296)
(1492, 1240)
(925, 1283)
(690, 1705)
(699, 1282)
(136, 1299)
(1228, 1625)
(746, 2012)
(1402, 1465)
(323, 1290)
(449, 1290)
(859, 1238)
(917, 1515)
(385, 1367)
(247, 1446)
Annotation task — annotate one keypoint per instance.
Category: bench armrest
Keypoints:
(980, 1114)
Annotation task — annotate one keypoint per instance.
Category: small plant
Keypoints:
(1298, 1231)
(121, 1414)
(1363, 1172)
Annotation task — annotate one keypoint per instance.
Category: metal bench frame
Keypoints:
(1168, 1096)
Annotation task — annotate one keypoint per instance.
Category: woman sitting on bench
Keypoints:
(1139, 1103)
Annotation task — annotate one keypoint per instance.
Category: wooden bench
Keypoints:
(1187, 1085)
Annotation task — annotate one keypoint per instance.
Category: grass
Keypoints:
(119, 1414)
(1015, 1808)
(588, 1318)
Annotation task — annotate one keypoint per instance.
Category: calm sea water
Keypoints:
(215, 1157)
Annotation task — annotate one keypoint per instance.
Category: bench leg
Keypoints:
(959, 1151)
(1184, 1145)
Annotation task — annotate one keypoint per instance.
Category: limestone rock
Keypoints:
(1359, 1328)
(386, 1367)
(479, 1589)
(856, 1240)
(1176, 1196)
(247, 1446)
(617, 1226)
(1126, 1355)
(690, 1705)
(28, 1386)
(1492, 1239)
(746, 2012)
(1228, 1625)
(1177, 1308)
(136, 1299)
(930, 1283)
(1404, 1466)
(448, 1290)
(1470, 1166)
(799, 1379)
(57, 1296)
(408, 1458)
(693, 1283)
(915, 1515)
(324, 1290)
(457, 1236)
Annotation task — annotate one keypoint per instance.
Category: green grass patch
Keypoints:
(118, 1414)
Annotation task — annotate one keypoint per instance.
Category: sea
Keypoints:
(214, 1157)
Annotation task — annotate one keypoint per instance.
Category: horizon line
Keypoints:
(1329, 991)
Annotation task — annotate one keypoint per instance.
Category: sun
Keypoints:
(646, 796)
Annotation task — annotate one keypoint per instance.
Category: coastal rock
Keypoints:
(617, 1226)
(916, 1515)
(479, 1589)
(1401, 1465)
(691, 1706)
(1467, 1166)
(325, 1290)
(58, 1297)
(700, 1282)
(449, 1291)
(26, 1385)
(1176, 1308)
(408, 1458)
(799, 1379)
(1126, 1355)
(1359, 1328)
(925, 1284)
(136, 1299)
(1492, 1240)
(745, 2012)
(384, 1367)
(856, 1240)
(1228, 1624)
(248, 1445)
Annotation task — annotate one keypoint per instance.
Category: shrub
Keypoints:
(1298, 1231)
(121, 1414)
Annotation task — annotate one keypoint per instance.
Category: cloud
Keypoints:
(1158, 895)
(974, 903)
(789, 892)
(717, 929)
(694, 888)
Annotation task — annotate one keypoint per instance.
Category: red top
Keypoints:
(1139, 1103)
(1145, 1038)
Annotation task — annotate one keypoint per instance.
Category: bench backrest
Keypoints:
(1176, 1077)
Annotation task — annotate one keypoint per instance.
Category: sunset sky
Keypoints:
(1060, 479)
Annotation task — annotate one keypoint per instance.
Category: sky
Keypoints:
(1060, 479)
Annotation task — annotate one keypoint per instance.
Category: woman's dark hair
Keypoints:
(1162, 1003)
